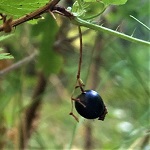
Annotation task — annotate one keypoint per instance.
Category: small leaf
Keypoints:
(5, 56)
(88, 9)
(3, 37)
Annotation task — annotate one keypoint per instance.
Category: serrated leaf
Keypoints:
(49, 60)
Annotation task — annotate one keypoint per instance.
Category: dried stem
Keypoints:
(18, 64)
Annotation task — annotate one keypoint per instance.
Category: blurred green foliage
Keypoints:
(122, 80)
(48, 64)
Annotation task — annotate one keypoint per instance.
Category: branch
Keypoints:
(50, 7)
(32, 15)
(18, 64)
(87, 24)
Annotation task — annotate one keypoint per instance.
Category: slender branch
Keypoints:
(32, 15)
(87, 24)
(18, 64)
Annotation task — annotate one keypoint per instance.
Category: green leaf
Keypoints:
(49, 60)
(17, 8)
(114, 2)
(5, 55)
(88, 10)
(3, 37)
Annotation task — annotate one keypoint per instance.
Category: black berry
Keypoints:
(90, 105)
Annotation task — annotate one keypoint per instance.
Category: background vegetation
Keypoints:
(35, 98)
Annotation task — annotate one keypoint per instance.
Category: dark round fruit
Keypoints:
(90, 105)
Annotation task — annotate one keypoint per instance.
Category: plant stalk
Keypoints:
(80, 22)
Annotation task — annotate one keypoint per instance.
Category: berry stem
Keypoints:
(80, 62)
(80, 58)
(78, 81)
(71, 113)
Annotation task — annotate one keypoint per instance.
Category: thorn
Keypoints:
(52, 14)
(133, 32)
(117, 29)
(102, 24)
(77, 86)
(78, 100)
(76, 118)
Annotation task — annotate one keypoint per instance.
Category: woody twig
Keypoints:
(13, 23)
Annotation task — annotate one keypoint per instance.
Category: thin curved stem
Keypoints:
(78, 80)
(80, 58)
(80, 62)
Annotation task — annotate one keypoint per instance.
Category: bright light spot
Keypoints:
(125, 126)
(147, 147)
(119, 113)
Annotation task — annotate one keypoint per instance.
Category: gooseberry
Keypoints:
(90, 105)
